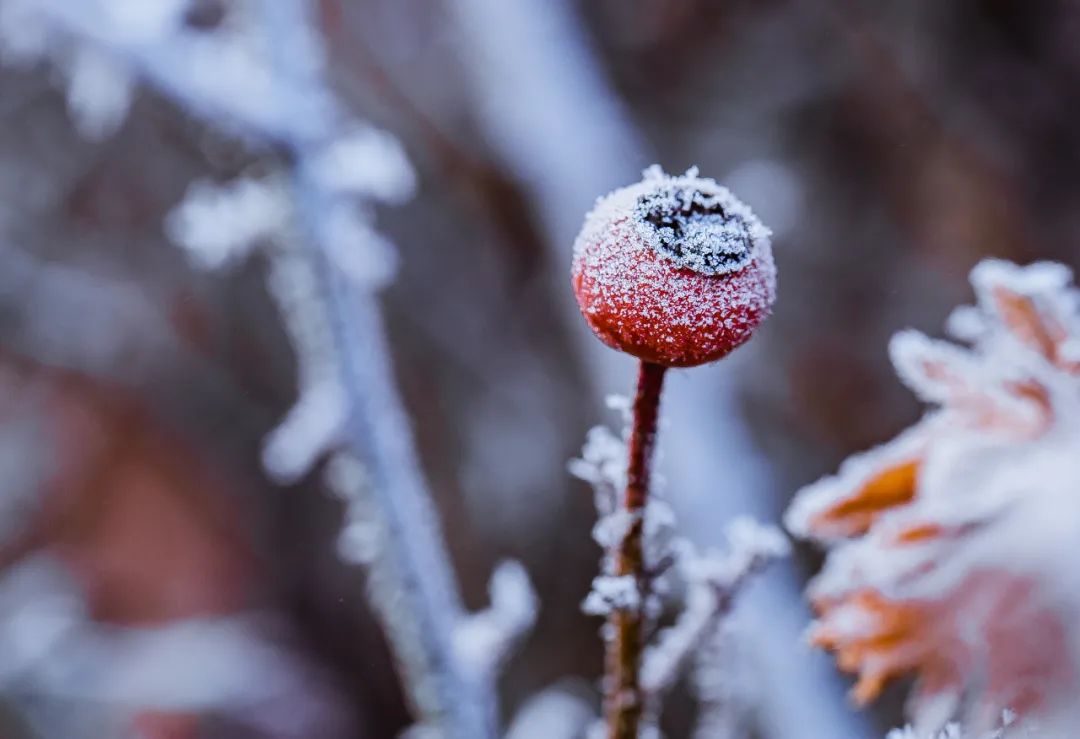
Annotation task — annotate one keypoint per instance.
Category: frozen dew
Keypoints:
(220, 224)
(357, 249)
(100, 88)
(696, 223)
(699, 588)
(367, 162)
(557, 712)
(483, 640)
(612, 592)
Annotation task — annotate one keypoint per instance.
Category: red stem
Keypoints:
(625, 702)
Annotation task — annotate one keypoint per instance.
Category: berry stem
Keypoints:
(625, 699)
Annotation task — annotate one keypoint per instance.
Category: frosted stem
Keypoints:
(625, 701)
(377, 432)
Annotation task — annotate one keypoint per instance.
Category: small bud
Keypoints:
(673, 270)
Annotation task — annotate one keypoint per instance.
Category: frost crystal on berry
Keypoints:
(674, 270)
(697, 224)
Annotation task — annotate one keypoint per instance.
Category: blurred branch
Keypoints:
(262, 75)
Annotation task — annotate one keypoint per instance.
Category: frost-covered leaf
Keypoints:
(946, 543)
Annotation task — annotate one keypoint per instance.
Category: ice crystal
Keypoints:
(554, 713)
(947, 544)
(365, 161)
(219, 224)
(612, 592)
(953, 730)
(713, 579)
(100, 87)
(360, 537)
(485, 639)
(696, 223)
(700, 587)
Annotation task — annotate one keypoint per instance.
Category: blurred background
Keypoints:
(156, 582)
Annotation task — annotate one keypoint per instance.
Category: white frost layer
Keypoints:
(997, 475)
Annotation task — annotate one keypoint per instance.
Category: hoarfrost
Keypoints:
(713, 581)
(707, 583)
(360, 539)
(217, 225)
(953, 730)
(959, 525)
(693, 224)
(100, 90)
(316, 420)
(367, 162)
(485, 639)
(260, 74)
(720, 679)
(612, 592)
(610, 529)
(558, 712)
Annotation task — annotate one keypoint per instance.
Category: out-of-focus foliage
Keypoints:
(947, 544)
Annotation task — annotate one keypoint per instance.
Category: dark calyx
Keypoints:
(694, 231)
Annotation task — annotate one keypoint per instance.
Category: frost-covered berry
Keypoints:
(673, 270)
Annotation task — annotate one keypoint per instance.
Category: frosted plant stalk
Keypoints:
(710, 583)
(260, 75)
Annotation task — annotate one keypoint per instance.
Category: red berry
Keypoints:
(673, 270)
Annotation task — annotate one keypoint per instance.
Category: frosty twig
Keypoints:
(625, 701)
